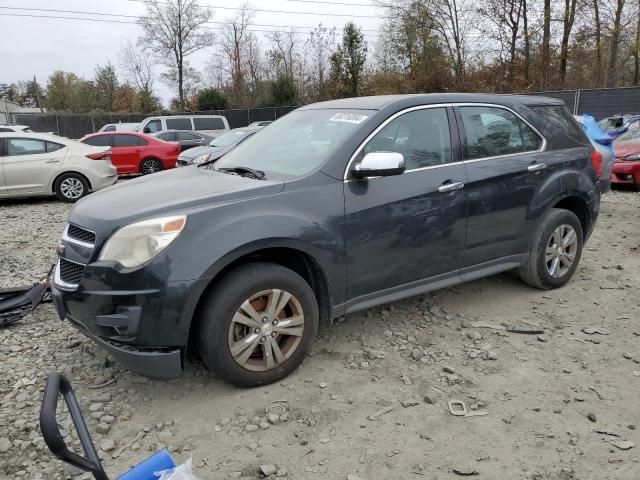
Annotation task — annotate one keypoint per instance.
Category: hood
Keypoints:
(194, 152)
(165, 193)
(624, 149)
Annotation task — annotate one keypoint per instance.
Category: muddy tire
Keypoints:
(257, 324)
(555, 252)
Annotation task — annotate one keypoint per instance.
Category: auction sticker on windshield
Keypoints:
(348, 117)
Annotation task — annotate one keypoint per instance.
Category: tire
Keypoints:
(150, 165)
(71, 187)
(537, 271)
(219, 332)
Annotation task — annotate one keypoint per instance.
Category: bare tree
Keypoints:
(136, 66)
(616, 33)
(546, 42)
(319, 45)
(505, 20)
(283, 52)
(567, 25)
(174, 29)
(234, 45)
(598, 35)
(635, 52)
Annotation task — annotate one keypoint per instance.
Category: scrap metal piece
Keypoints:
(457, 408)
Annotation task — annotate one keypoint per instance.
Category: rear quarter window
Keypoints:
(559, 117)
(99, 141)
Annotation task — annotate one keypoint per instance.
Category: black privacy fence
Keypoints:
(599, 103)
(78, 125)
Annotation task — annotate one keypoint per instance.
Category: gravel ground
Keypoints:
(371, 401)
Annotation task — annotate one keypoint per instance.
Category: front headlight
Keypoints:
(632, 158)
(201, 159)
(139, 242)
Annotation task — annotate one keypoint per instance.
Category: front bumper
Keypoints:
(142, 322)
(624, 172)
(156, 363)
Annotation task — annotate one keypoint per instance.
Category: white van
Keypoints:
(212, 125)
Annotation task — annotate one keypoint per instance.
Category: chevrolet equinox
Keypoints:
(336, 207)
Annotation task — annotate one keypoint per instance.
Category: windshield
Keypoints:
(629, 135)
(228, 138)
(296, 144)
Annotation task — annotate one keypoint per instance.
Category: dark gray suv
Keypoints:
(335, 208)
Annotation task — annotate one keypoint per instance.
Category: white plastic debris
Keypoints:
(181, 472)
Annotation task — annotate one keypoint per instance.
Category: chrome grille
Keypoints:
(70, 272)
(77, 233)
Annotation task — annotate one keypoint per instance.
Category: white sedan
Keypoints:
(44, 164)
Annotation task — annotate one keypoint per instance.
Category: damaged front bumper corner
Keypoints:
(151, 362)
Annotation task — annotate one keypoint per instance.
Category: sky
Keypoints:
(39, 46)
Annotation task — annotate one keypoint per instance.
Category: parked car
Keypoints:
(335, 208)
(626, 169)
(216, 148)
(212, 125)
(186, 140)
(15, 128)
(133, 152)
(119, 127)
(44, 164)
(603, 143)
(619, 124)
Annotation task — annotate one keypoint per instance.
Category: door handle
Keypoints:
(536, 166)
(449, 187)
(52, 161)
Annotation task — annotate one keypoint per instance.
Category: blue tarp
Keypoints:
(594, 132)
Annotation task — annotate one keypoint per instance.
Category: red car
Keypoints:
(626, 168)
(133, 152)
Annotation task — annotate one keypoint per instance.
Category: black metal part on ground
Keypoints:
(15, 303)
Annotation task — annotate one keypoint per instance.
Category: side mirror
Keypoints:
(379, 164)
(146, 130)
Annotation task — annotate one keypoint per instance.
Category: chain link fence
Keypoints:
(78, 125)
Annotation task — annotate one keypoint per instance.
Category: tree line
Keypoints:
(422, 46)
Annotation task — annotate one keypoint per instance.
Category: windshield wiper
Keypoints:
(244, 172)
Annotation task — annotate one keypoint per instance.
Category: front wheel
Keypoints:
(150, 165)
(258, 324)
(556, 251)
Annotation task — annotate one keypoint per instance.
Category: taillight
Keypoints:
(596, 161)
(99, 156)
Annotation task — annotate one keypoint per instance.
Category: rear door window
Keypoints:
(493, 132)
(187, 136)
(179, 124)
(25, 146)
(204, 123)
(100, 141)
(167, 136)
(128, 141)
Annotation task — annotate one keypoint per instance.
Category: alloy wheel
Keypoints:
(71, 188)
(561, 251)
(266, 330)
(150, 166)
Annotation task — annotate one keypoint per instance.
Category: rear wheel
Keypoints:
(556, 251)
(71, 187)
(150, 165)
(257, 324)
